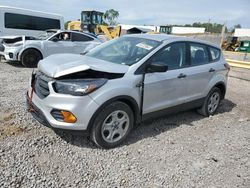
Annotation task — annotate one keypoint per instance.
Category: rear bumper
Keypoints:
(10, 54)
(1, 48)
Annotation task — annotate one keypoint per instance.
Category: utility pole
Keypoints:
(208, 24)
(223, 33)
(207, 28)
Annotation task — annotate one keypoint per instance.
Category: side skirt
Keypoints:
(182, 107)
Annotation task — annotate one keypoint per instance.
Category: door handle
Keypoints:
(182, 75)
(211, 70)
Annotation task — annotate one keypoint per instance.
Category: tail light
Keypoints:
(227, 66)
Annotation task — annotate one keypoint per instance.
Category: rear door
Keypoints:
(200, 72)
(163, 90)
(82, 43)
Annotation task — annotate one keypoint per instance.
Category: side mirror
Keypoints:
(55, 39)
(157, 67)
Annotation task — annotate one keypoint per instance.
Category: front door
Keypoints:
(62, 44)
(168, 89)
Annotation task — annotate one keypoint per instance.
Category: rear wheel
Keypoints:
(211, 102)
(112, 125)
(30, 58)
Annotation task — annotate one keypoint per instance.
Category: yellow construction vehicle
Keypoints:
(230, 44)
(92, 22)
(74, 25)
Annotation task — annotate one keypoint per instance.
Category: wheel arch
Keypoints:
(222, 88)
(123, 98)
(29, 48)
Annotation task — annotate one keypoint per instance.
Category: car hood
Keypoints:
(63, 64)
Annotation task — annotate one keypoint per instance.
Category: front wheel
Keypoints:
(211, 102)
(112, 125)
(30, 58)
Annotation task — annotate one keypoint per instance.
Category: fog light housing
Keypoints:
(11, 55)
(64, 116)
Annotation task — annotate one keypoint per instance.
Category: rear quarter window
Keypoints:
(215, 53)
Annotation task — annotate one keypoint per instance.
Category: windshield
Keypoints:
(86, 17)
(124, 50)
(45, 35)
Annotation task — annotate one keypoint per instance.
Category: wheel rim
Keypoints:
(213, 102)
(115, 126)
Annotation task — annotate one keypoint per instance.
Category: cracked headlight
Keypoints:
(78, 87)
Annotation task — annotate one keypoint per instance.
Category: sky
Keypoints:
(149, 12)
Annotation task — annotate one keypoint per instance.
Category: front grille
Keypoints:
(41, 85)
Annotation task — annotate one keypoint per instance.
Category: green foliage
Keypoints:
(110, 16)
(235, 26)
(210, 27)
(66, 24)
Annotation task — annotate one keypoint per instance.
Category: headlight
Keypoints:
(78, 87)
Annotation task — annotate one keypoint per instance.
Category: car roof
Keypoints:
(166, 37)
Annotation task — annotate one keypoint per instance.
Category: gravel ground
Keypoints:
(182, 150)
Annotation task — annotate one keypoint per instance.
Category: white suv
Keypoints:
(29, 50)
(124, 81)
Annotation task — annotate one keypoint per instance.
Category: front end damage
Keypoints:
(60, 97)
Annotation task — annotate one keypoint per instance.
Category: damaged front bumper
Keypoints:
(36, 112)
(83, 107)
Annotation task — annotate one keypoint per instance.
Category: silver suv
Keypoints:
(125, 81)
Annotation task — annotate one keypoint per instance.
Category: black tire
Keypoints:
(207, 109)
(30, 58)
(229, 48)
(98, 133)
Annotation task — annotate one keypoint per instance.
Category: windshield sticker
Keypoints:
(144, 46)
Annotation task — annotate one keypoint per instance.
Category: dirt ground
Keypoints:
(180, 150)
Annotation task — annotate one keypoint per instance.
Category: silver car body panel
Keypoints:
(162, 90)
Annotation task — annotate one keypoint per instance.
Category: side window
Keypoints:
(215, 53)
(27, 22)
(63, 36)
(81, 38)
(173, 55)
(199, 54)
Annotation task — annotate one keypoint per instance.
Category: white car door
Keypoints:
(167, 89)
(83, 43)
(60, 43)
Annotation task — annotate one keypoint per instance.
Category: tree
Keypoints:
(110, 16)
(66, 24)
(236, 26)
